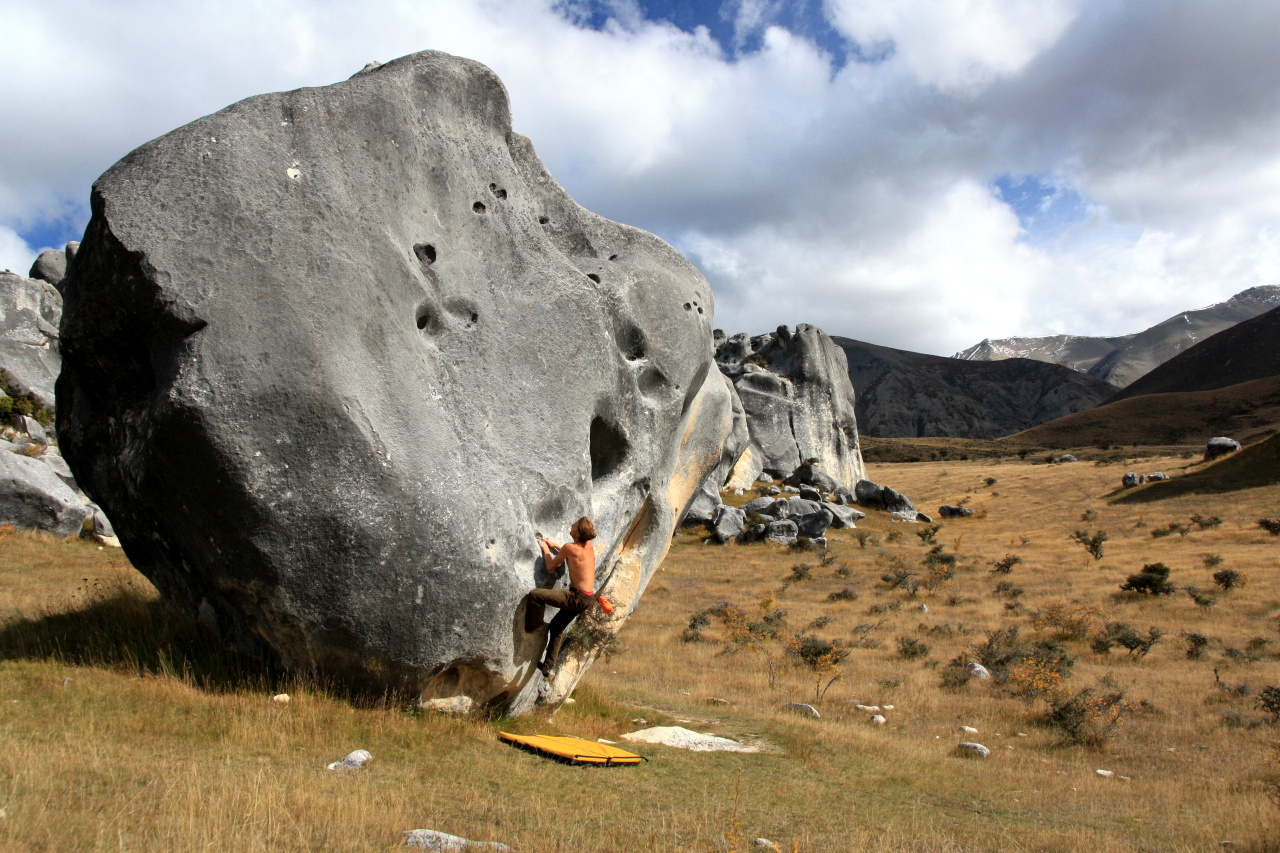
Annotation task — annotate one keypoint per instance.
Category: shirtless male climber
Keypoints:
(580, 554)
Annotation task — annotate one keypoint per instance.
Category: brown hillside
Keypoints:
(1254, 466)
(1244, 412)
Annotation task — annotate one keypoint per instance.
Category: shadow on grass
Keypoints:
(121, 629)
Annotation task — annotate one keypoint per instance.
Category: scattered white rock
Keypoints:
(977, 670)
(353, 761)
(878, 720)
(449, 705)
(923, 608)
(974, 750)
(1106, 774)
(766, 844)
(282, 698)
(443, 842)
(870, 709)
(570, 701)
(682, 738)
(887, 707)
(969, 730)
(715, 700)
(1021, 734)
(802, 709)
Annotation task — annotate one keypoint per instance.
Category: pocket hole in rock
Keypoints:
(426, 253)
(609, 448)
(478, 207)
(542, 220)
(497, 191)
(593, 277)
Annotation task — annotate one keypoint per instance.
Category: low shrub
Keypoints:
(1152, 580)
(1196, 645)
(1008, 588)
(845, 594)
(1088, 718)
(927, 534)
(1201, 600)
(1005, 566)
(1230, 579)
(911, 648)
(1092, 542)
(1268, 701)
(1271, 525)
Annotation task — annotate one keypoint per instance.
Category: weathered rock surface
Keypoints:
(52, 264)
(30, 311)
(728, 524)
(682, 738)
(874, 496)
(33, 497)
(1220, 446)
(300, 331)
(953, 511)
(794, 387)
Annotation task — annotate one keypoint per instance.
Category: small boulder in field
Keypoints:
(878, 720)
(1157, 476)
(802, 709)
(952, 511)
(682, 738)
(443, 842)
(353, 761)
(1129, 480)
(973, 750)
(977, 670)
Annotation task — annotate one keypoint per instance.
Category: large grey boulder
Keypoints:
(875, 496)
(1220, 446)
(30, 311)
(334, 356)
(794, 386)
(812, 524)
(783, 531)
(32, 497)
(843, 516)
(52, 264)
(728, 524)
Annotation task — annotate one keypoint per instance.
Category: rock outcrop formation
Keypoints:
(333, 357)
(799, 404)
(30, 310)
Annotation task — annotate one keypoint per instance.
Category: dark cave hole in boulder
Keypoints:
(609, 448)
(497, 191)
(478, 207)
(593, 277)
(542, 220)
(426, 254)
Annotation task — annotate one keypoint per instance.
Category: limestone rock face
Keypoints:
(32, 497)
(334, 356)
(799, 403)
(30, 311)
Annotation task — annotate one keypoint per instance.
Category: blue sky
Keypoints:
(918, 173)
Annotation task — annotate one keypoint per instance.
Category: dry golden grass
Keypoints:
(123, 728)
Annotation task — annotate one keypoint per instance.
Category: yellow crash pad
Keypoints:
(574, 749)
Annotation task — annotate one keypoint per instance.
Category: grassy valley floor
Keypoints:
(123, 728)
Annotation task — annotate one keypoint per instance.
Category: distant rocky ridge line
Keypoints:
(1122, 359)
(902, 394)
